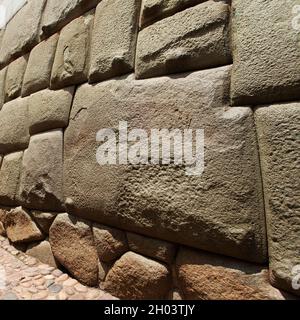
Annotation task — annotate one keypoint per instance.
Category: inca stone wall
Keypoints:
(72, 67)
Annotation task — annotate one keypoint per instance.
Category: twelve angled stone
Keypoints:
(41, 178)
(220, 210)
(196, 38)
(278, 129)
(114, 39)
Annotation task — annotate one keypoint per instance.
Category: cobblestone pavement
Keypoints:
(25, 278)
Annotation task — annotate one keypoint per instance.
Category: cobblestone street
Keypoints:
(24, 278)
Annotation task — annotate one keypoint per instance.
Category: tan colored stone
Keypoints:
(154, 248)
(3, 212)
(114, 39)
(14, 78)
(278, 128)
(111, 243)
(103, 269)
(196, 38)
(220, 211)
(38, 71)
(72, 244)
(2, 230)
(2, 86)
(205, 276)
(136, 277)
(71, 61)
(20, 227)
(44, 219)
(9, 178)
(42, 251)
(41, 178)
(49, 109)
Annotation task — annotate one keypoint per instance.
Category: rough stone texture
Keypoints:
(72, 244)
(195, 38)
(114, 39)
(41, 178)
(14, 78)
(44, 219)
(278, 129)
(2, 230)
(9, 178)
(58, 13)
(158, 249)
(153, 10)
(136, 277)
(103, 269)
(3, 213)
(2, 86)
(220, 211)
(14, 132)
(38, 71)
(265, 52)
(21, 33)
(71, 61)
(205, 276)
(111, 243)
(20, 227)
(42, 251)
(49, 109)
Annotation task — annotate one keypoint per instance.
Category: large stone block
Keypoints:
(14, 132)
(38, 71)
(278, 129)
(136, 277)
(2, 86)
(265, 52)
(72, 244)
(196, 38)
(14, 78)
(114, 39)
(71, 61)
(41, 178)
(205, 276)
(9, 178)
(220, 210)
(22, 31)
(49, 109)
(58, 13)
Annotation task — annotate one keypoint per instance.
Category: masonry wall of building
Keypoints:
(72, 67)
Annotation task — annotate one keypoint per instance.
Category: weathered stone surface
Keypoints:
(49, 109)
(103, 269)
(195, 38)
(20, 227)
(22, 31)
(114, 39)
(42, 251)
(58, 13)
(72, 244)
(41, 178)
(3, 213)
(265, 52)
(278, 129)
(2, 86)
(2, 230)
(153, 10)
(136, 277)
(38, 71)
(158, 249)
(205, 276)
(14, 132)
(71, 61)
(220, 210)
(44, 219)
(111, 243)
(9, 178)
(14, 78)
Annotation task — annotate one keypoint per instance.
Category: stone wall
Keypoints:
(72, 67)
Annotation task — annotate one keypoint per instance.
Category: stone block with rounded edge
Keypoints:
(44, 219)
(41, 179)
(42, 251)
(9, 178)
(265, 52)
(2, 86)
(72, 244)
(114, 39)
(278, 128)
(221, 210)
(49, 109)
(196, 38)
(71, 63)
(38, 71)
